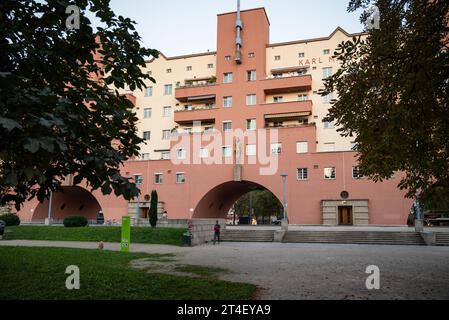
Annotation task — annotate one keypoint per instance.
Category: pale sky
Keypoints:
(178, 27)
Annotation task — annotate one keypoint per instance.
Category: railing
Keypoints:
(191, 85)
(287, 75)
(196, 108)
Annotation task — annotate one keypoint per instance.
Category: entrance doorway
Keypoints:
(345, 216)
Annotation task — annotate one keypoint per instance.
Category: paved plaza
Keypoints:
(312, 271)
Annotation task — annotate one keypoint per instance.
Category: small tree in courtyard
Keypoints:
(153, 208)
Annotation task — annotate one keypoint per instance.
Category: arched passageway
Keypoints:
(217, 203)
(72, 201)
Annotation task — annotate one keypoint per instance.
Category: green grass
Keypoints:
(96, 234)
(39, 273)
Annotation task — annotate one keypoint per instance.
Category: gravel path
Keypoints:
(312, 271)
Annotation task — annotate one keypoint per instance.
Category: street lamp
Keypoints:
(419, 225)
(139, 181)
(284, 201)
(50, 208)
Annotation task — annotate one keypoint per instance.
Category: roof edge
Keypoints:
(210, 53)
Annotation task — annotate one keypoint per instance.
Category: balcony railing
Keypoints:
(208, 107)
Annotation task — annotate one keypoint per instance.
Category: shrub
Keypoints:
(10, 219)
(153, 209)
(75, 222)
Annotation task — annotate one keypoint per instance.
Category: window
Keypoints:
(303, 174)
(189, 68)
(328, 124)
(166, 134)
(277, 58)
(138, 179)
(149, 92)
(278, 99)
(158, 178)
(327, 72)
(328, 98)
(165, 155)
(251, 75)
(329, 147)
(330, 173)
(145, 156)
(180, 177)
(168, 89)
(251, 150)
(166, 112)
(227, 102)
(227, 77)
(188, 130)
(301, 55)
(354, 146)
(147, 135)
(181, 154)
(210, 66)
(169, 70)
(303, 97)
(357, 173)
(251, 55)
(204, 153)
(302, 147)
(227, 151)
(147, 113)
(208, 129)
(326, 51)
(251, 100)
(228, 58)
(227, 126)
(251, 124)
(276, 148)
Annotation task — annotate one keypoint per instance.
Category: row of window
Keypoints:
(166, 112)
(303, 54)
(188, 68)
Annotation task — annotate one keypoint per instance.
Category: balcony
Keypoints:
(196, 90)
(203, 114)
(287, 110)
(277, 85)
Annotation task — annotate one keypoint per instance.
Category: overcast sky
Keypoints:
(178, 27)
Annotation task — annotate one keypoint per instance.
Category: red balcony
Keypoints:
(287, 84)
(205, 115)
(287, 109)
(196, 93)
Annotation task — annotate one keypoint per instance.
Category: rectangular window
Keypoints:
(354, 146)
(251, 150)
(208, 129)
(169, 70)
(301, 55)
(147, 135)
(357, 173)
(166, 112)
(166, 134)
(303, 97)
(188, 130)
(328, 124)
(227, 78)
(227, 151)
(276, 148)
(326, 51)
(189, 68)
(227, 126)
(168, 89)
(227, 102)
(251, 55)
(251, 100)
(181, 154)
(145, 156)
(251, 75)
(138, 179)
(180, 177)
(165, 155)
(228, 58)
(278, 99)
(327, 72)
(158, 178)
(251, 124)
(147, 113)
(277, 58)
(302, 147)
(204, 153)
(329, 147)
(303, 174)
(328, 98)
(330, 173)
(149, 92)
(210, 66)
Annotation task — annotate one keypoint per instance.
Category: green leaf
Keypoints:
(9, 124)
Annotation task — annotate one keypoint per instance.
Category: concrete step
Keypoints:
(247, 235)
(442, 239)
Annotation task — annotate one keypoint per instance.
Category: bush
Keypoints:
(10, 219)
(75, 222)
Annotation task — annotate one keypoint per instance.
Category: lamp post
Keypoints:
(139, 181)
(419, 225)
(49, 208)
(284, 201)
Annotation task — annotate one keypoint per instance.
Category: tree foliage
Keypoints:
(393, 92)
(264, 204)
(153, 208)
(56, 118)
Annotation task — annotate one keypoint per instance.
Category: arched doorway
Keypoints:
(71, 201)
(217, 203)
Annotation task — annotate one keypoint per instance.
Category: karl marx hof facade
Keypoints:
(220, 124)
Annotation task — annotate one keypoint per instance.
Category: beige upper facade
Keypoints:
(155, 107)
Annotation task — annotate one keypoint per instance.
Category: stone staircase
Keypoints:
(442, 239)
(355, 237)
(247, 235)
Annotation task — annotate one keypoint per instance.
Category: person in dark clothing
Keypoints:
(217, 229)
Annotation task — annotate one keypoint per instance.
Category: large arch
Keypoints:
(71, 201)
(216, 203)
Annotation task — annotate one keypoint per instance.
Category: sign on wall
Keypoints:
(126, 234)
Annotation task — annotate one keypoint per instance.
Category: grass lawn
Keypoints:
(96, 234)
(39, 273)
